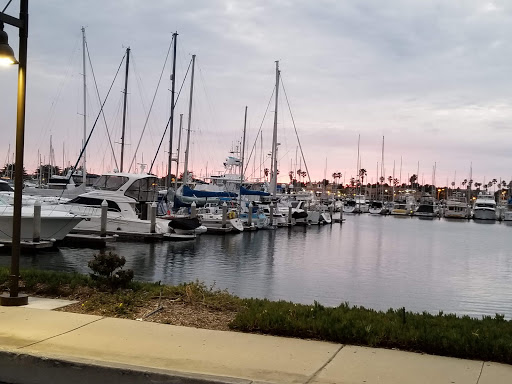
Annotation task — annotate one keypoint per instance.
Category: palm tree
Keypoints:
(390, 179)
(464, 182)
(362, 174)
(266, 171)
(413, 179)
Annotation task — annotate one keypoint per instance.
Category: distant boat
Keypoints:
(484, 207)
(456, 208)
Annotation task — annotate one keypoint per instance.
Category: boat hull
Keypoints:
(484, 214)
(54, 227)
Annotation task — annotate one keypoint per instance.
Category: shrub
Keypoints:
(107, 268)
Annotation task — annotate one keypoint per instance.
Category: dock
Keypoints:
(30, 245)
(126, 236)
(87, 240)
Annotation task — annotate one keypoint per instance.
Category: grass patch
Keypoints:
(489, 338)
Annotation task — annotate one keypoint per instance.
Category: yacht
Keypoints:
(55, 225)
(127, 195)
(484, 207)
(456, 208)
(405, 205)
(427, 207)
(377, 208)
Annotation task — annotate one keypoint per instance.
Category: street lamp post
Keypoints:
(14, 298)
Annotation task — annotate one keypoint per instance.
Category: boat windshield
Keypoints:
(145, 189)
(110, 182)
(485, 205)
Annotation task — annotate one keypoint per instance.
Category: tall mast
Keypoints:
(178, 154)
(382, 170)
(171, 128)
(243, 154)
(84, 164)
(273, 170)
(185, 171)
(124, 105)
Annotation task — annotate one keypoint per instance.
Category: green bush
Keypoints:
(104, 266)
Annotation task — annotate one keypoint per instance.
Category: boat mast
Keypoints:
(84, 164)
(382, 176)
(124, 106)
(171, 130)
(243, 154)
(273, 170)
(178, 155)
(185, 171)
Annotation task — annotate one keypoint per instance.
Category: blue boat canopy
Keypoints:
(244, 191)
(189, 192)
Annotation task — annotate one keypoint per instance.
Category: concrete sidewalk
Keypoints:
(37, 345)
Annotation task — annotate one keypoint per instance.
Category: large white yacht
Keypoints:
(127, 196)
(484, 207)
(55, 225)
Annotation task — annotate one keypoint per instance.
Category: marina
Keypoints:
(380, 262)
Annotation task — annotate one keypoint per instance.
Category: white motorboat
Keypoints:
(426, 208)
(484, 207)
(377, 208)
(127, 196)
(456, 208)
(55, 225)
(404, 206)
(211, 217)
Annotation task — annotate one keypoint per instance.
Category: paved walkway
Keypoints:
(31, 338)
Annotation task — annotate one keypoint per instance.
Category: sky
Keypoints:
(431, 77)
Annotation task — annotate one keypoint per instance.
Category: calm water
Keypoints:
(378, 262)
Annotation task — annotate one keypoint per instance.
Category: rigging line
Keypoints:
(99, 99)
(169, 122)
(295, 128)
(9, 3)
(151, 106)
(95, 121)
(259, 130)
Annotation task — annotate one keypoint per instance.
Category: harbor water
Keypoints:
(380, 262)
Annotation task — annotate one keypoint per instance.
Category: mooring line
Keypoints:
(60, 334)
(323, 366)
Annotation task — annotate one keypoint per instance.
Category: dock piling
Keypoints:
(152, 217)
(193, 210)
(103, 225)
(249, 217)
(271, 206)
(224, 214)
(36, 236)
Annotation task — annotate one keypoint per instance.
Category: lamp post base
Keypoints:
(8, 301)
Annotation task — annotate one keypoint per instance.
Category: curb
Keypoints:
(25, 368)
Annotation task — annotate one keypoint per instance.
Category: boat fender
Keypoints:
(231, 215)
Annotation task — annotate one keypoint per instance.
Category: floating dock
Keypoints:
(87, 240)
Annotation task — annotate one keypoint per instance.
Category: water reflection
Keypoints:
(376, 261)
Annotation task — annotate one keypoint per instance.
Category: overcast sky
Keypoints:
(433, 77)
